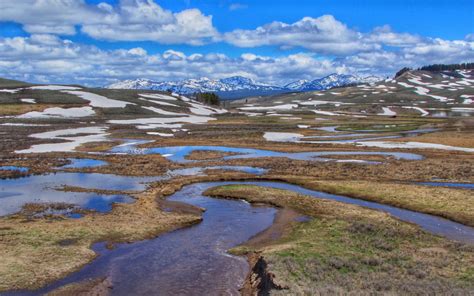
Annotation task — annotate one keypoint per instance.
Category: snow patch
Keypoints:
(160, 134)
(11, 91)
(99, 101)
(282, 137)
(163, 122)
(158, 97)
(422, 111)
(158, 102)
(74, 137)
(57, 112)
(413, 145)
(29, 101)
(23, 124)
(276, 107)
(163, 112)
(387, 112)
(325, 113)
(54, 87)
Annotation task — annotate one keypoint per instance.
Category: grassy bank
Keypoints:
(36, 252)
(348, 249)
(453, 204)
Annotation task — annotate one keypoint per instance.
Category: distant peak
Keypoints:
(241, 83)
(237, 80)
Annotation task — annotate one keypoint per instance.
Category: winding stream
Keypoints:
(179, 153)
(194, 261)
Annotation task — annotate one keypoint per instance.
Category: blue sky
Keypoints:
(274, 41)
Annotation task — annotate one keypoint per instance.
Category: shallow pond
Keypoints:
(14, 168)
(80, 163)
(14, 193)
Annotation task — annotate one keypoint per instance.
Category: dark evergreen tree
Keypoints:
(451, 67)
(399, 73)
(208, 98)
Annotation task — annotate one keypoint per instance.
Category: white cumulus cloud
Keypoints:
(130, 20)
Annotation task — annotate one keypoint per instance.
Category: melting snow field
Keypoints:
(194, 107)
(29, 101)
(387, 112)
(160, 134)
(99, 101)
(54, 87)
(158, 102)
(74, 138)
(282, 137)
(164, 112)
(164, 122)
(424, 90)
(158, 97)
(60, 112)
(297, 138)
(320, 112)
(11, 91)
(23, 124)
(199, 109)
(413, 145)
(276, 107)
(422, 111)
(468, 99)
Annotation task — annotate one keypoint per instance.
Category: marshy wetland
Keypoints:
(144, 192)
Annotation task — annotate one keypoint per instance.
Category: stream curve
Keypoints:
(194, 260)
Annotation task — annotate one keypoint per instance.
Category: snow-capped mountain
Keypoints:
(330, 81)
(296, 85)
(188, 86)
(242, 85)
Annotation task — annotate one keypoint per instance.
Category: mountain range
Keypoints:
(238, 86)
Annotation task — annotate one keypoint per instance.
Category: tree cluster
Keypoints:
(208, 98)
(451, 67)
(399, 73)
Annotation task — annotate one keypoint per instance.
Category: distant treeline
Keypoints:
(403, 70)
(452, 67)
(439, 68)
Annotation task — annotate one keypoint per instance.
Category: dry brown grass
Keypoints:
(208, 155)
(450, 203)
